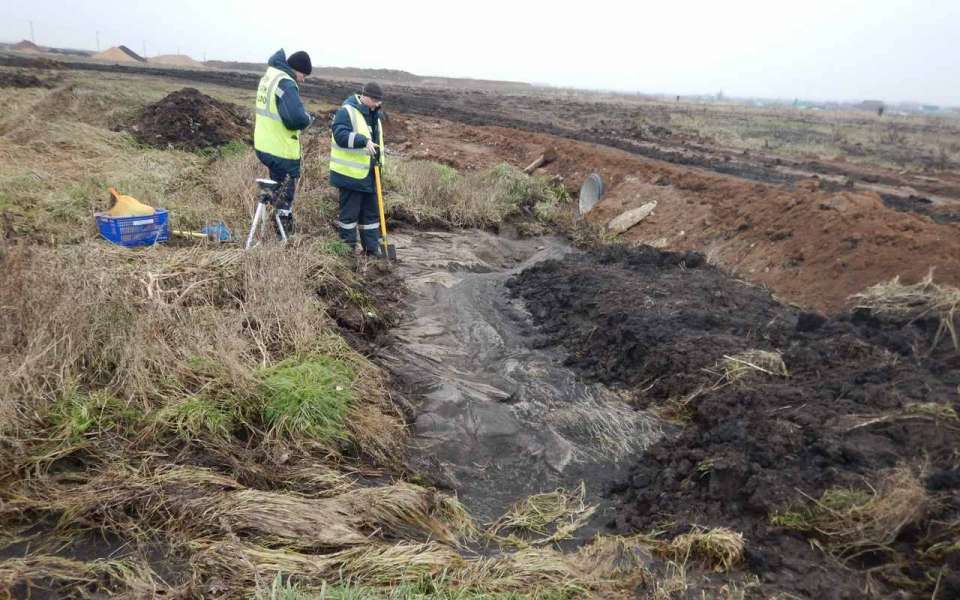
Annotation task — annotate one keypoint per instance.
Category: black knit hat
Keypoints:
(372, 90)
(300, 61)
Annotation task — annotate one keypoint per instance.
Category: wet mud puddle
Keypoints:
(496, 418)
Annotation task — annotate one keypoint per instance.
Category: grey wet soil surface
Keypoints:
(657, 324)
(496, 419)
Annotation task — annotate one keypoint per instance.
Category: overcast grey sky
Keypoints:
(820, 49)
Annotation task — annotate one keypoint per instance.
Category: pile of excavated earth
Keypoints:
(782, 412)
(190, 120)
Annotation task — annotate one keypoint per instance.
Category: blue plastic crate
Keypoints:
(135, 231)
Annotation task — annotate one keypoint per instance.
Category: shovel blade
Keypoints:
(389, 251)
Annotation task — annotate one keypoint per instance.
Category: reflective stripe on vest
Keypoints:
(354, 162)
(269, 133)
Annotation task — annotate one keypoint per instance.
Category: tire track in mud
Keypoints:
(498, 419)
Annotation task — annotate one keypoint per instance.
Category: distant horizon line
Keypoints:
(601, 90)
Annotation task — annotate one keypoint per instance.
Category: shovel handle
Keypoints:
(383, 219)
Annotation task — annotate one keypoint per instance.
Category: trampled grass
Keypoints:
(425, 589)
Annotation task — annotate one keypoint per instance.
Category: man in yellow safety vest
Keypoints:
(280, 117)
(355, 144)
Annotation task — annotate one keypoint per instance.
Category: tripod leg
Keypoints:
(257, 217)
(283, 232)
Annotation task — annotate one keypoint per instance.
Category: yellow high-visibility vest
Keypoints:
(269, 133)
(354, 162)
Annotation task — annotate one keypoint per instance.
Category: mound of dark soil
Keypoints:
(190, 120)
(19, 79)
(659, 323)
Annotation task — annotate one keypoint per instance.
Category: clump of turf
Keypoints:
(924, 299)
(308, 398)
(852, 522)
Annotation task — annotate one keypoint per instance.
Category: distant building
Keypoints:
(871, 105)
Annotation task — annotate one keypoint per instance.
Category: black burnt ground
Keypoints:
(190, 120)
(19, 79)
(659, 322)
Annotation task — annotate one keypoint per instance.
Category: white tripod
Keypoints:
(268, 197)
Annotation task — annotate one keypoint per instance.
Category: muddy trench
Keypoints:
(497, 417)
(536, 366)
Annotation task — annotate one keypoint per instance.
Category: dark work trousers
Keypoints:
(288, 186)
(358, 211)
(285, 172)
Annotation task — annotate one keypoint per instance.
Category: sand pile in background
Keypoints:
(119, 54)
(27, 46)
(176, 60)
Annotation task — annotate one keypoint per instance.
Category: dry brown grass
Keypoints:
(624, 560)
(429, 193)
(383, 565)
(924, 299)
(753, 362)
(719, 548)
(159, 327)
(152, 325)
(543, 518)
(193, 503)
(134, 579)
(852, 521)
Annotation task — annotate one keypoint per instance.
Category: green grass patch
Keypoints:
(834, 501)
(78, 416)
(308, 397)
(197, 416)
(336, 247)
